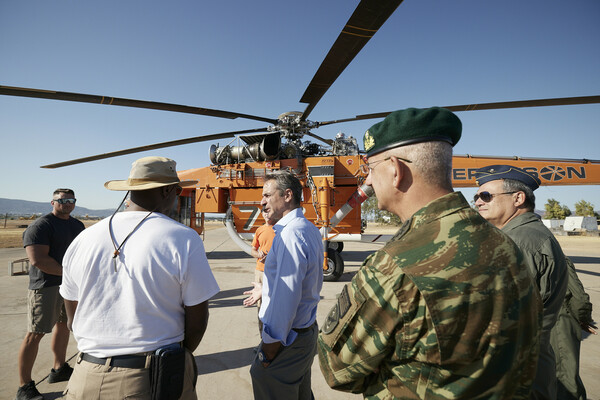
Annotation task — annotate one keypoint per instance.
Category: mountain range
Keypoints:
(24, 207)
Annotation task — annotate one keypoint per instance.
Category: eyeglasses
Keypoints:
(178, 190)
(487, 196)
(64, 201)
(368, 167)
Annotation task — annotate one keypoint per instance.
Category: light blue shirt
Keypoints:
(292, 279)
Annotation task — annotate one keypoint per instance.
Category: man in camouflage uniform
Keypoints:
(446, 309)
(505, 198)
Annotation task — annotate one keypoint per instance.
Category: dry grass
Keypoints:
(11, 231)
(581, 244)
(11, 238)
(11, 234)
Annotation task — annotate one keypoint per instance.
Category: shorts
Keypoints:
(45, 307)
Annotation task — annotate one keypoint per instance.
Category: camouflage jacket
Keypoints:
(445, 310)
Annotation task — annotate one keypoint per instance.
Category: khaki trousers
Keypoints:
(94, 381)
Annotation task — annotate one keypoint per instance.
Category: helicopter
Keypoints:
(330, 170)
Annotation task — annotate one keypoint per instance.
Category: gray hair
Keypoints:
(511, 185)
(286, 180)
(431, 160)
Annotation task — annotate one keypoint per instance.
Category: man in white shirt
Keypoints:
(292, 283)
(135, 283)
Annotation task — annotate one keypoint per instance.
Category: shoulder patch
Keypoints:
(344, 301)
(337, 311)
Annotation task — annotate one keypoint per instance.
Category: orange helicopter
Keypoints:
(331, 172)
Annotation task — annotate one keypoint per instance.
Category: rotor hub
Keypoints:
(291, 125)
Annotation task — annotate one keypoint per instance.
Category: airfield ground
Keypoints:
(225, 354)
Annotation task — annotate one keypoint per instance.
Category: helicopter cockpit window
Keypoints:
(185, 209)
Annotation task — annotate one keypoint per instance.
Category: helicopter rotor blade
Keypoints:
(560, 101)
(152, 147)
(116, 101)
(366, 20)
(322, 139)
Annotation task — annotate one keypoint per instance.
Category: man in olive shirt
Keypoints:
(505, 198)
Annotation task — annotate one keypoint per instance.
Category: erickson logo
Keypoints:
(553, 173)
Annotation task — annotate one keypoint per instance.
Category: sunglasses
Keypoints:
(65, 201)
(487, 196)
(368, 167)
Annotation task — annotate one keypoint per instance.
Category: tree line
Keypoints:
(554, 210)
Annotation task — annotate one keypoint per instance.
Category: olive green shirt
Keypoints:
(445, 310)
(546, 262)
(566, 337)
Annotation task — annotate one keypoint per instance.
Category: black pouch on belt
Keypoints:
(166, 373)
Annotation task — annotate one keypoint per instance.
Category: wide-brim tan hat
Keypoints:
(149, 173)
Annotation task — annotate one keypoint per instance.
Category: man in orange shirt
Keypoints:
(261, 244)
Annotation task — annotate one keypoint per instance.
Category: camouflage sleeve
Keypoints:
(359, 331)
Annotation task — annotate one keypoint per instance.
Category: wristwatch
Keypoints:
(262, 357)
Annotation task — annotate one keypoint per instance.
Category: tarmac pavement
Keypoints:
(227, 349)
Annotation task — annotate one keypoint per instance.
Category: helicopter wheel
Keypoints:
(337, 246)
(335, 266)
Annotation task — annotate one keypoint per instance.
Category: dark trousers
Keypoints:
(288, 376)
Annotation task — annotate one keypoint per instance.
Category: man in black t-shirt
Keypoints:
(46, 242)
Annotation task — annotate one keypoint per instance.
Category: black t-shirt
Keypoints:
(57, 233)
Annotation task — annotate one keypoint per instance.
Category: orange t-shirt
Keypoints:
(263, 239)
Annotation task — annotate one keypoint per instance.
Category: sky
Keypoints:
(258, 57)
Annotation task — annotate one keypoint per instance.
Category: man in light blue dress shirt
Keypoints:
(292, 283)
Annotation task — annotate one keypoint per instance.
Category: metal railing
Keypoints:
(18, 267)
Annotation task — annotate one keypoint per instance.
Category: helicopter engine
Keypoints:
(269, 147)
(344, 146)
(266, 149)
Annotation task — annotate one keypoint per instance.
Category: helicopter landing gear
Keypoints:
(337, 246)
(335, 266)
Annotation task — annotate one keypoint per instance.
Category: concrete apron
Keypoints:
(226, 352)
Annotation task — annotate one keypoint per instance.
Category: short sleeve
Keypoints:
(198, 283)
(68, 288)
(37, 233)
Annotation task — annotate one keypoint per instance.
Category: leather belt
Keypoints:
(303, 330)
(129, 361)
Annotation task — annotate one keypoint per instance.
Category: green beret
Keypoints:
(410, 126)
